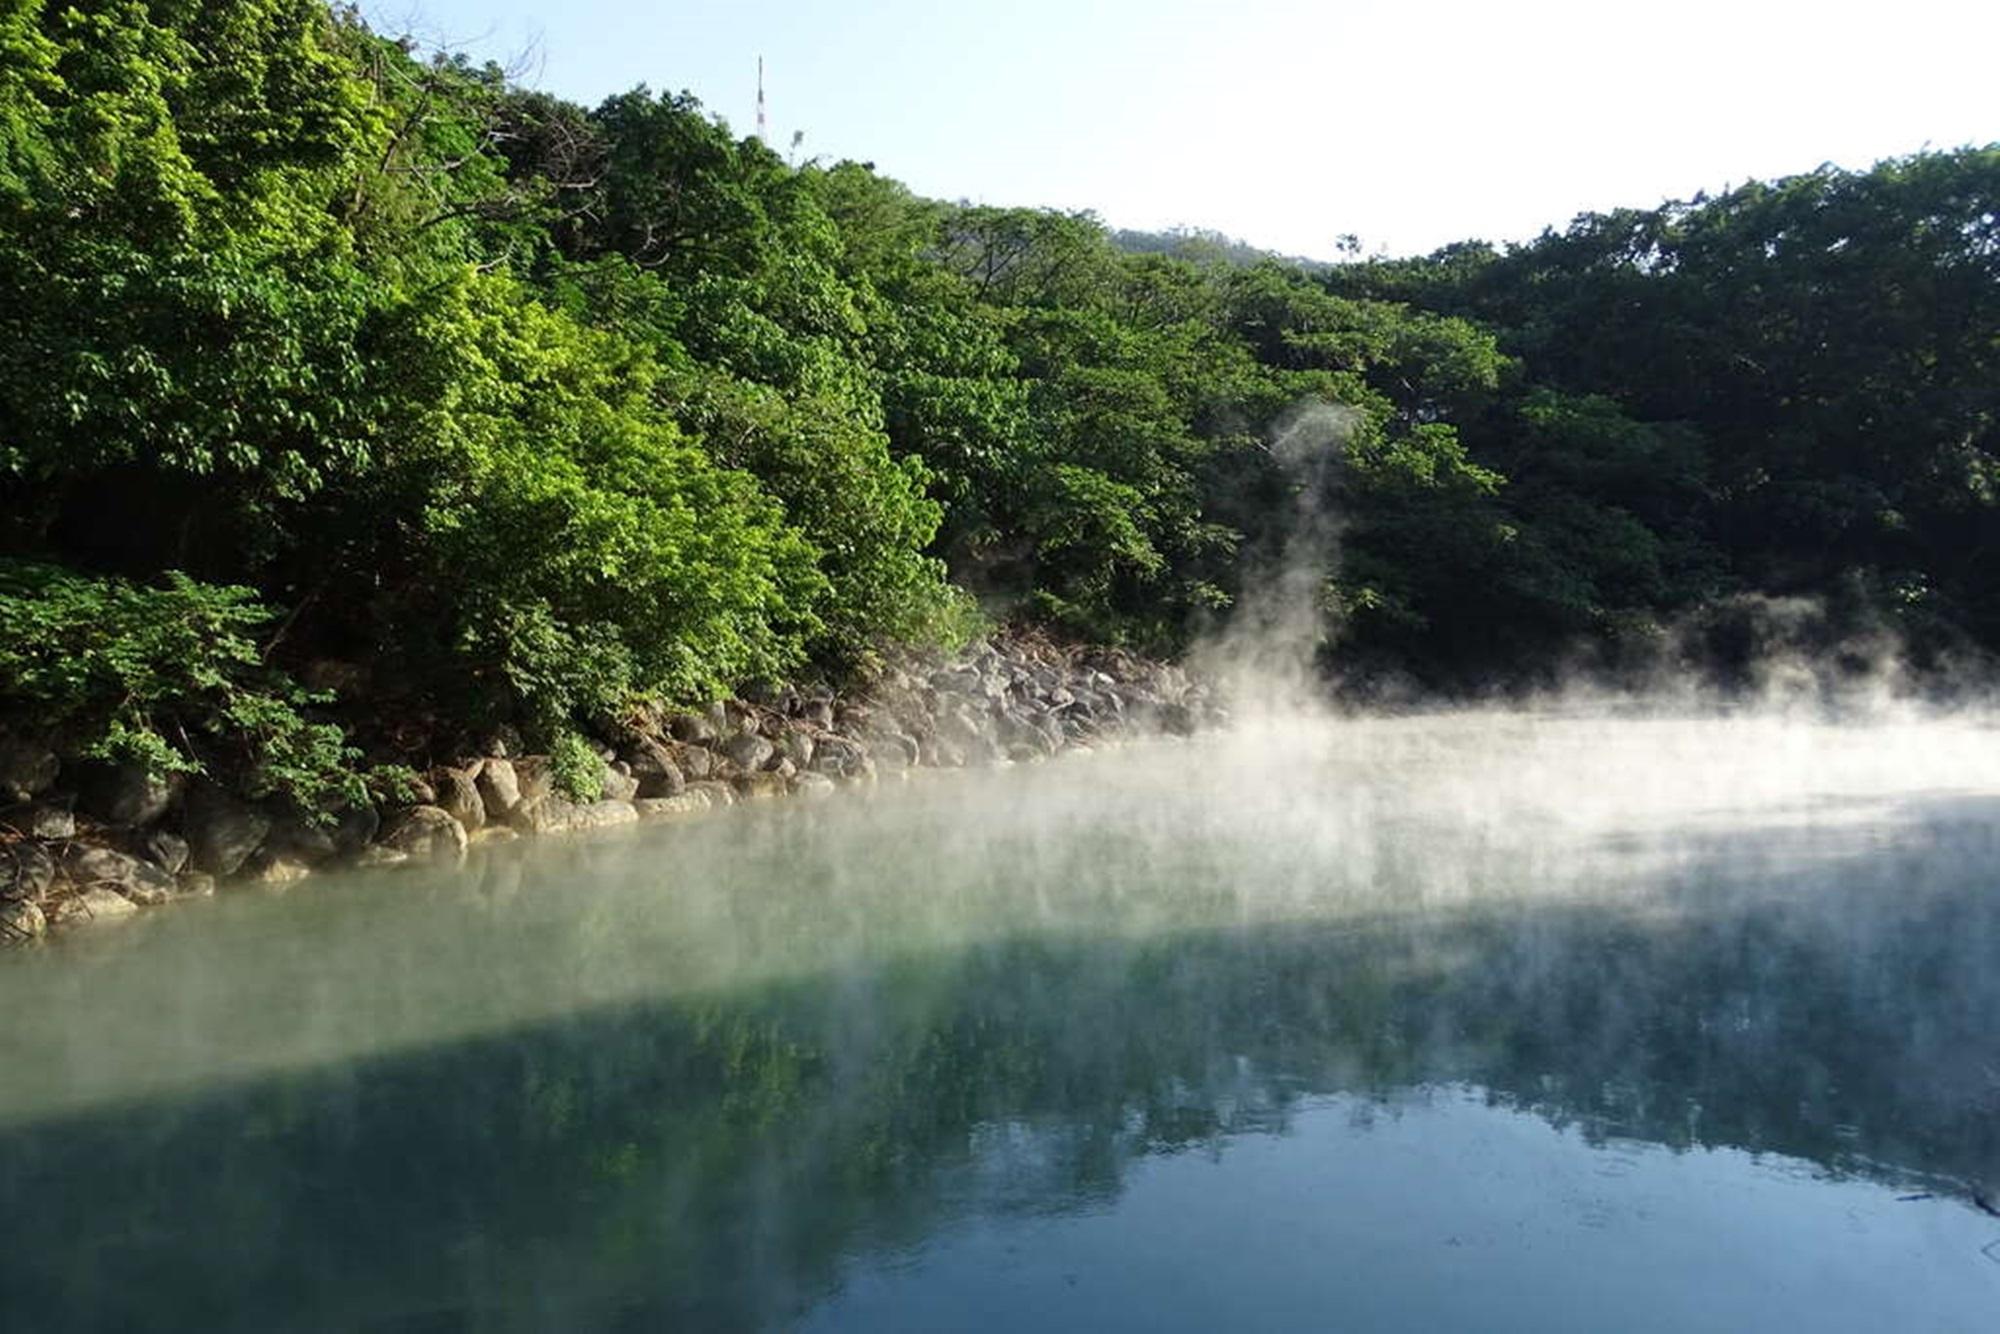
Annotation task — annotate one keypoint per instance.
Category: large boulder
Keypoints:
(459, 797)
(424, 832)
(140, 881)
(221, 831)
(534, 778)
(27, 768)
(125, 794)
(499, 789)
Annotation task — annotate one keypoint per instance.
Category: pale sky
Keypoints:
(1288, 124)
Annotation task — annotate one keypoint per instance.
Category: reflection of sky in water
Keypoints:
(1045, 1043)
(1440, 1212)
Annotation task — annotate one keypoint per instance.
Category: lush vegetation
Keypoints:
(510, 410)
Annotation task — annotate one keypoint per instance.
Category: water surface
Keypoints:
(1483, 1022)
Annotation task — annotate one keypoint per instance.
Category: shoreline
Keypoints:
(83, 844)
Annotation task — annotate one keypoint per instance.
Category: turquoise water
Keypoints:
(1478, 1022)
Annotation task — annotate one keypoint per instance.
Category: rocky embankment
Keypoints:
(83, 842)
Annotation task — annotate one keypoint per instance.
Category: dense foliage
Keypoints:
(536, 409)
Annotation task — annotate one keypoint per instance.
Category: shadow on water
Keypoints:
(717, 1157)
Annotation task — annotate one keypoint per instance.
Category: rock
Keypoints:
(797, 745)
(460, 798)
(813, 785)
(654, 766)
(377, 857)
(691, 802)
(782, 766)
(99, 904)
(221, 832)
(499, 789)
(277, 871)
(503, 743)
(758, 786)
(841, 757)
(295, 838)
(26, 870)
(533, 779)
(693, 728)
(354, 829)
(424, 833)
(20, 922)
(493, 833)
(718, 793)
(818, 712)
(555, 815)
(139, 881)
(694, 762)
(27, 768)
(618, 783)
(167, 851)
(195, 885)
(126, 794)
(422, 793)
(747, 750)
(44, 819)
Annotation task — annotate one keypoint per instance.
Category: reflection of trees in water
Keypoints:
(715, 1161)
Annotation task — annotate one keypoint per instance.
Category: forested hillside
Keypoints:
(326, 364)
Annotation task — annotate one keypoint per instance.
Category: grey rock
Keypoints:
(718, 793)
(139, 881)
(813, 785)
(758, 786)
(195, 885)
(354, 829)
(295, 838)
(747, 750)
(424, 833)
(276, 871)
(555, 815)
(99, 904)
(167, 851)
(694, 762)
(27, 871)
(20, 922)
(689, 802)
(27, 768)
(126, 794)
(460, 798)
(782, 766)
(45, 819)
(695, 728)
(654, 766)
(499, 789)
(618, 783)
(377, 857)
(841, 757)
(533, 778)
(221, 832)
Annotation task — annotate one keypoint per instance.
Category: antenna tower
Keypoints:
(762, 137)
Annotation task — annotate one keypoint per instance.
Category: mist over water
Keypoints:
(1521, 1011)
